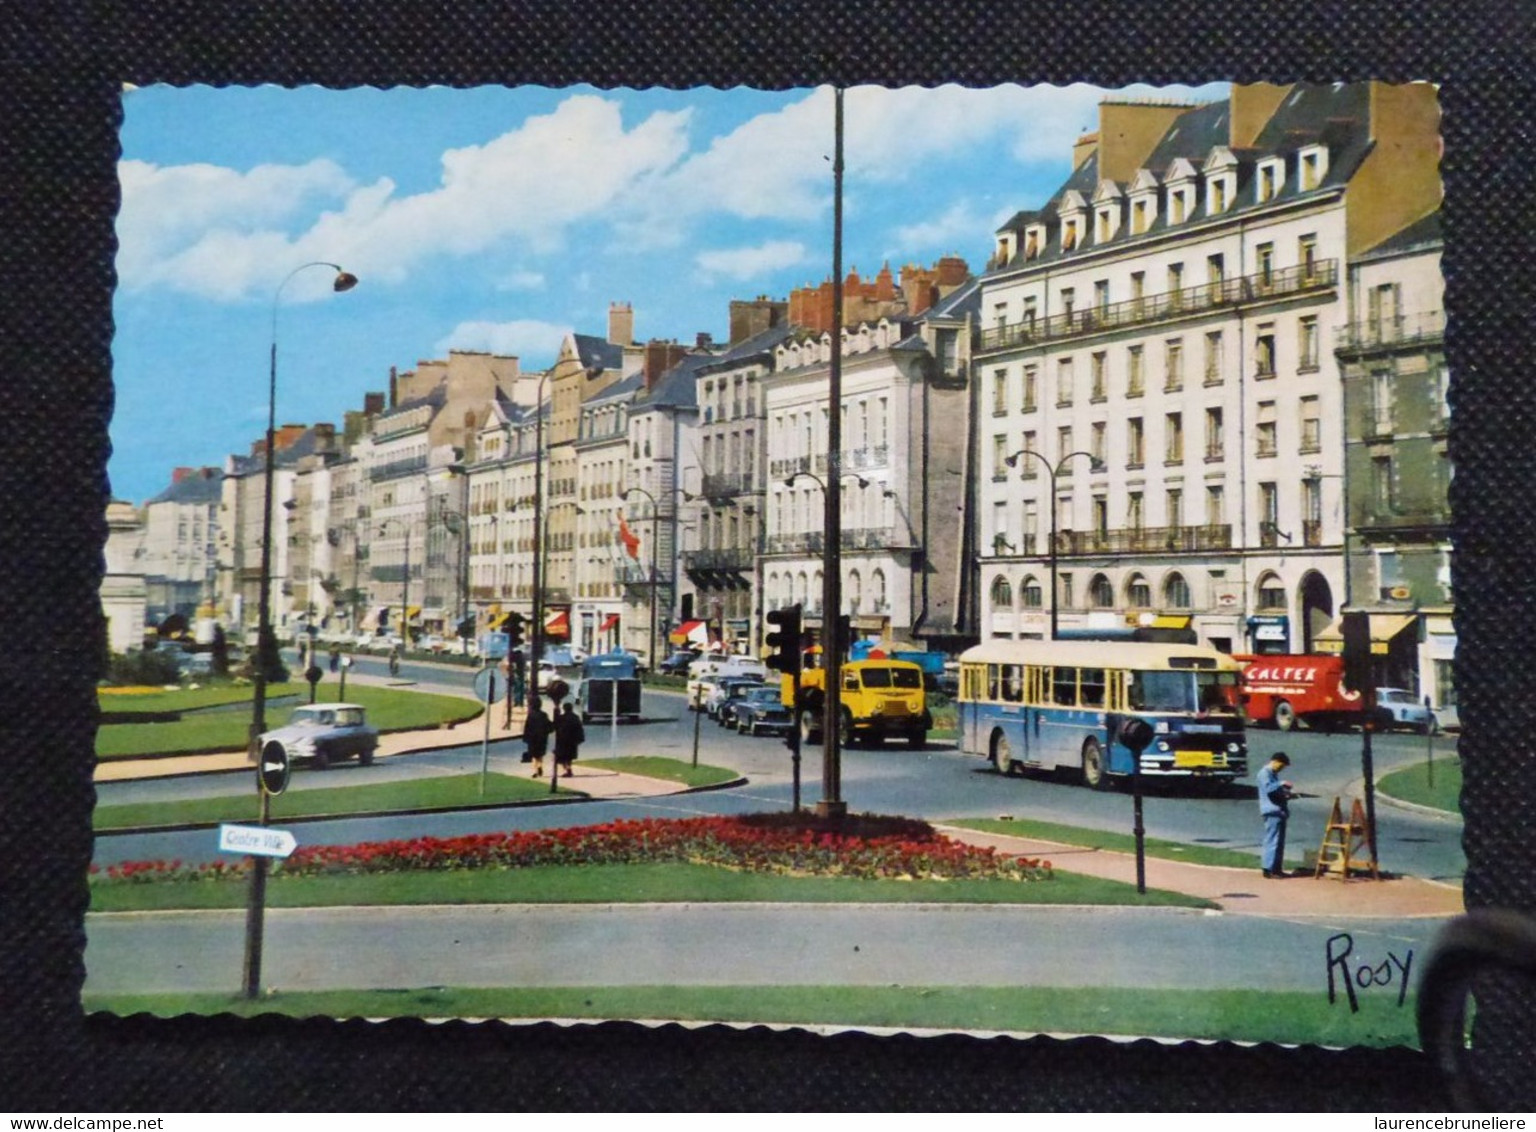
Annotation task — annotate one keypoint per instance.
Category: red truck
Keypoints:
(1281, 691)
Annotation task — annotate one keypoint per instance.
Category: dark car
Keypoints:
(321, 734)
(731, 693)
(762, 709)
(677, 664)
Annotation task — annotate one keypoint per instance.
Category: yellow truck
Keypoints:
(880, 697)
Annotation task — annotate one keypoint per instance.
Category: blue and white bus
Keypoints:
(1043, 705)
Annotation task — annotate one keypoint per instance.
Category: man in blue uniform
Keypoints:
(1274, 807)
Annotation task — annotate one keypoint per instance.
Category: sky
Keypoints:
(500, 218)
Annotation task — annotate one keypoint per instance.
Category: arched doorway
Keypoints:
(1316, 608)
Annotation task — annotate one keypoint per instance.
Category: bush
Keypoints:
(143, 667)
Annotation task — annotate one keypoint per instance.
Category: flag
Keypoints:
(628, 537)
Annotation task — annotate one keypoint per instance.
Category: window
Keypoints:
(1218, 195)
(999, 392)
(1215, 505)
(1383, 485)
(1173, 355)
(1311, 425)
(1138, 288)
(1066, 591)
(1100, 517)
(1031, 312)
(1138, 593)
(1306, 255)
(1213, 357)
(1097, 446)
(1031, 388)
(1174, 505)
(1264, 433)
(1384, 321)
(1064, 687)
(1265, 257)
(999, 456)
(1068, 304)
(1215, 438)
(1063, 441)
(1135, 374)
(1176, 592)
(1031, 593)
(1027, 466)
(1312, 512)
(1064, 382)
(1002, 593)
(1264, 351)
(1178, 205)
(1269, 514)
(1101, 297)
(1135, 443)
(1382, 403)
(1138, 217)
(1000, 315)
(1306, 343)
(1173, 436)
(1312, 165)
(1135, 510)
(1031, 527)
(1175, 280)
(1101, 595)
(1271, 593)
(1100, 389)
(1215, 274)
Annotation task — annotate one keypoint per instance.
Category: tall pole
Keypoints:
(265, 645)
(655, 566)
(832, 804)
(536, 639)
(1052, 471)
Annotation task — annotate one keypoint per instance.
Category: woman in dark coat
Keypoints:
(569, 736)
(536, 731)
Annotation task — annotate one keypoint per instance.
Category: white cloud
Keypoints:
(530, 184)
(958, 227)
(521, 281)
(535, 343)
(747, 263)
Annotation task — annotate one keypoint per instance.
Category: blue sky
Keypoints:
(496, 219)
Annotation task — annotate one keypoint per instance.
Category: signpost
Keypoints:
(490, 687)
(256, 840)
(271, 778)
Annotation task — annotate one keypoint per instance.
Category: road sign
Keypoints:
(490, 685)
(257, 840)
(273, 771)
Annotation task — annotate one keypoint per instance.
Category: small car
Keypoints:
(762, 709)
(718, 690)
(321, 734)
(1405, 710)
(730, 696)
(677, 664)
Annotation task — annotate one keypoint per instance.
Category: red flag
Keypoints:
(628, 537)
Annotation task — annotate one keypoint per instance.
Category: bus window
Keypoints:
(1163, 691)
(906, 677)
(1064, 686)
(1218, 691)
(992, 671)
(1091, 693)
(1013, 683)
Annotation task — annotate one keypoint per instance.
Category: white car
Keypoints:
(1405, 710)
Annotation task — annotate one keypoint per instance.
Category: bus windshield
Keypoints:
(1184, 691)
(891, 678)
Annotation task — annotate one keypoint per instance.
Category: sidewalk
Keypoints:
(1242, 890)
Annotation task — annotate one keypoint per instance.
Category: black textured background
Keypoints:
(60, 69)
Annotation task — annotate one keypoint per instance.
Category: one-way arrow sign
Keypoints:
(256, 839)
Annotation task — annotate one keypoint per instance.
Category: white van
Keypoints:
(703, 673)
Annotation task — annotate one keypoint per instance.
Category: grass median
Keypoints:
(650, 883)
(1116, 842)
(1288, 1017)
(668, 770)
(1435, 784)
(389, 709)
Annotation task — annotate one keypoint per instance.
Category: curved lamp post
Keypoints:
(1052, 471)
(655, 546)
(265, 645)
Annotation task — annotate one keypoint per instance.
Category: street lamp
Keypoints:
(540, 565)
(405, 592)
(1054, 470)
(266, 646)
(655, 545)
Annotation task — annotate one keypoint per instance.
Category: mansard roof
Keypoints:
(203, 485)
(1423, 234)
(598, 353)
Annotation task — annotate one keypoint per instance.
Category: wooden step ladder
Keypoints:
(1346, 845)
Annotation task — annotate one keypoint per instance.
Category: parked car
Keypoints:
(1405, 710)
(762, 709)
(729, 696)
(719, 690)
(321, 734)
(677, 664)
(429, 642)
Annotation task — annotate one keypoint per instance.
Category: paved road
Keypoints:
(736, 944)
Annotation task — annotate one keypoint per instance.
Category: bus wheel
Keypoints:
(810, 732)
(1285, 715)
(1002, 754)
(846, 736)
(1093, 766)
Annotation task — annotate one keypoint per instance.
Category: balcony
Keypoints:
(727, 558)
(1377, 335)
(1145, 540)
(725, 485)
(395, 469)
(1321, 275)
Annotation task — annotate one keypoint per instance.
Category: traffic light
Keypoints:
(1356, 628)
(514, 631)
(466, 628)
(785, 641)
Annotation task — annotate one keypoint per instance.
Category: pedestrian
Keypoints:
(1274, 807)
(536, 729)
(335, 658)
(394, 660)
(569, 736)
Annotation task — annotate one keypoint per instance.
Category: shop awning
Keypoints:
(696, 632)
(1384, 626)
(608, 622)
(497, 622)
(558, 624)
(413, 612)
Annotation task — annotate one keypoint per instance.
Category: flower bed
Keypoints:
(752, 843)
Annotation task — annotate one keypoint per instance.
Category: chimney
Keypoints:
(659, 358)
(952, 271)
(752, 317)
(373, 404)
(1083, 148)
(394, 380)
(703, 340)
(885, 286)
(1129, 132)
(1252, 105)
(179, 474)
(325, 437)
(621, 324)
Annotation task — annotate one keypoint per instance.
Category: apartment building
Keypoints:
(1159, 417)
(180, 562)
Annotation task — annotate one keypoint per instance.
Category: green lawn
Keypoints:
(1412, 784)
(1289, 1017)
(389, 709)
(669, 770)
(334, 797)
(662, 883)
(213, 693)
(1119, 842)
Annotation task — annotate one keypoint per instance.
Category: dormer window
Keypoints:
(1218, 193)
(1069, 234)
(1107, 223)
(1271, 178)
(1007, 246)
(1311, 167)
(1034, 240)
